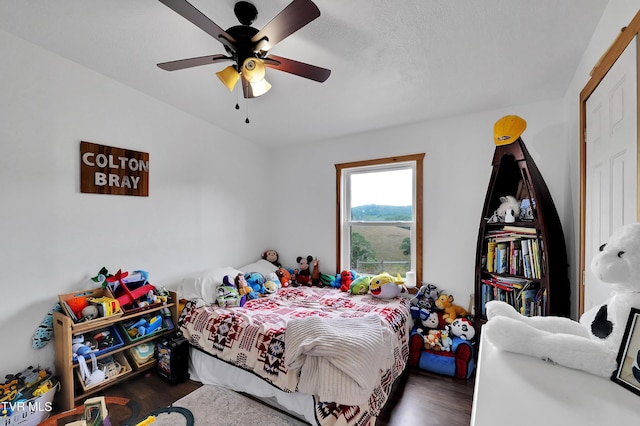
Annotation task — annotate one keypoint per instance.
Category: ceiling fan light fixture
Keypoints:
(253, 70)
(229, 77)
(259, 88)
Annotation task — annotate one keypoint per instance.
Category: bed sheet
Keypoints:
(253, 339)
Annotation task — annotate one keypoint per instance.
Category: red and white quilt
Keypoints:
(253, 338)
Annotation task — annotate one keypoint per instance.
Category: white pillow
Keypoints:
(203, 288)
(262, 266)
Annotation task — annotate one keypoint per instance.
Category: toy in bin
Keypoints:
(143, 353)
(26, 398)
(133, 291)
(144, 326)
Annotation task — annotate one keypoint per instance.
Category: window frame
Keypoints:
(342, 197)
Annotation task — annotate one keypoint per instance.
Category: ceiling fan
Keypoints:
(249, 47)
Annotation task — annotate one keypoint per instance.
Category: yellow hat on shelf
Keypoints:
(508, 129)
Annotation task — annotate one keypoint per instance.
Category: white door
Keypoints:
(612, 162)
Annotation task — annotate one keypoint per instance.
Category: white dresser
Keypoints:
(512, 389)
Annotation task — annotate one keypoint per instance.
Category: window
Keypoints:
(379, 216)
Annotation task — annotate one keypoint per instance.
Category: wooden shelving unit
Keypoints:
(512, 164)
(64, 328)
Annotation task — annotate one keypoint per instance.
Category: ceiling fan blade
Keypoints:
(193, 62)
(298, 68)
(193, 15)
(293, 17)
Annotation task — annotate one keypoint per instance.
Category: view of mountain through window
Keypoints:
(381, 220)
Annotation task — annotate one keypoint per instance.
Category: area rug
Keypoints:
(218, 406)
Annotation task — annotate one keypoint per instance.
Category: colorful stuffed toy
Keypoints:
(328, 280)
(284, 276)
(432, 340)
(346, 278)
(256, 281)
(303, 273)
(243, 288)
(360, 285)
(592, 344)
(385, 286)
(270, 287)
(227, 294)
(451, 310)
(424, 300)
(446, 341)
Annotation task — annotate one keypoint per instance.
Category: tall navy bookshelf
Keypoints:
(535, 282)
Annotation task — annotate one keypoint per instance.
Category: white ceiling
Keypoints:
(393, 62)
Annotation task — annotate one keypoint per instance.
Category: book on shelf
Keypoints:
(502, 258)
(491, 254)
(529, 302)
(523, 256)
(526, 296)
(520, 229)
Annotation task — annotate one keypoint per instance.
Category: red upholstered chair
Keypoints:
(458, 362)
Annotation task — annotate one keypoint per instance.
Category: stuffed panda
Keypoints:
(462, 328)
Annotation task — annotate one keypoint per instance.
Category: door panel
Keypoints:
(611, 162)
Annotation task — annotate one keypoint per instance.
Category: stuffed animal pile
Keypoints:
(438, 319)
(592, 344)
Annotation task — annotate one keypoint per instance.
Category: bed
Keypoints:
(326, 356)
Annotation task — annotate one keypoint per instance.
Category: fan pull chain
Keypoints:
(237, 101)
(246, 101)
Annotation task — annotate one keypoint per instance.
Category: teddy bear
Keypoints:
(592, 343)
(303, 272)
(451, 310)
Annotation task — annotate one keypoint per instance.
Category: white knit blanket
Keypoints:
(339, 359)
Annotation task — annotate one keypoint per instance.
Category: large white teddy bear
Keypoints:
(592, 344)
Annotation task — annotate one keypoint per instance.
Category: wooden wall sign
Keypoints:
(109, 170)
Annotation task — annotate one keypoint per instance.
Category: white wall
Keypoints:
(617, 15)
(200, 212)
(457, 168)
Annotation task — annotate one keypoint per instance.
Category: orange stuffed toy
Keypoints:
(451, 311)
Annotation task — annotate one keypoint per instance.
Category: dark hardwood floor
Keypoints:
(419, 398)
